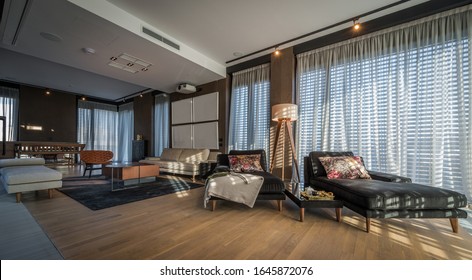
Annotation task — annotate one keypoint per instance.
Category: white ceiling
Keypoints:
(208, 32)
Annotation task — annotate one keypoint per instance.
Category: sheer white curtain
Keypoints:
(249, 126)
(161, 123)
(125, 132)
(400, 98)
(9, 108)
(98, 126)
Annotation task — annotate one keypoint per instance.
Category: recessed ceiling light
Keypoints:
(51, 36)
(237, 54)
(88, 50)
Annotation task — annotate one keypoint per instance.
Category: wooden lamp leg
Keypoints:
(277, 134)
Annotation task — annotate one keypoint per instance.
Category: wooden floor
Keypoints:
(21, 238)
(177, 226)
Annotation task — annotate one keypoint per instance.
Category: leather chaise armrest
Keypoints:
(386, 177)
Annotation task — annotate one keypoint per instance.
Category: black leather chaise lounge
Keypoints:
(386, 195)
(272, 188)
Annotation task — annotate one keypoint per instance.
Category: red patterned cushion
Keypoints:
(245, 163)
(345, 167)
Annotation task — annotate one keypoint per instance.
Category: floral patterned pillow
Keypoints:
(344, 167)
(245, 163)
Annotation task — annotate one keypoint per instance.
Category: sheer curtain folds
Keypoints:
(98, 126)
(400, 98)
(161, 123)
(9, 108)
(250, 109)
(125, 132)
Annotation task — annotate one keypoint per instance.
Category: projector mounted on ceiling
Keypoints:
(186, 88)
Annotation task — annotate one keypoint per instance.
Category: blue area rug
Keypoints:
(96, 194)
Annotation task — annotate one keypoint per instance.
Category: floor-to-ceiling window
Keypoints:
(250, 109)
(161, 123)
(9, 109)
(98, 126)
(125, 132)
(400, 98)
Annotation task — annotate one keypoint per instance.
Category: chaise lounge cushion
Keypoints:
(380, 195)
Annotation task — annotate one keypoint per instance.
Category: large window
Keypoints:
(125, 132)
(399, 98)
(9, 109)
(98, 126)
(161, 123)
(250, 109)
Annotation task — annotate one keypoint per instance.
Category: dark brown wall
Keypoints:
(282, 84)
(143, 108)
(57, 111)
(219, 86)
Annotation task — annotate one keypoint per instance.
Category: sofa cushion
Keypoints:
(21, 162)
(318, 169)
(249, 152)
(373, 194)
(344, 167)
(29, 174)
(174, 166)
(245, 163)
(194, 155)
(171, 154)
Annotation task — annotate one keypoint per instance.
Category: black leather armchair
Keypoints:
(272, 188)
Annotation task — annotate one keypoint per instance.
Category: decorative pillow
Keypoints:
(245, 163)
(344, 167)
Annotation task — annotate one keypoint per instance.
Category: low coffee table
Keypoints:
(128, 171)
(293, 192)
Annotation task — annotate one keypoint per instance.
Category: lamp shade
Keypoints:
(285, 111)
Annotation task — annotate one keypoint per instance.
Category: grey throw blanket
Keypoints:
(237, 187)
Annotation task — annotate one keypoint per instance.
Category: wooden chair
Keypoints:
(95, 157)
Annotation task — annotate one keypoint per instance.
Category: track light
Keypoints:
(277, 52)
(357, 25)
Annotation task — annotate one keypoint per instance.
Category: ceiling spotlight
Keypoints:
(48, 92)
(141, 95)
(82, 98)
(277, 52)
(357, 25)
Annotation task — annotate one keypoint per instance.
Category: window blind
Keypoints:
(250, 109)
(401, 100)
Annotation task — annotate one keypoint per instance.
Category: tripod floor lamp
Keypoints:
(284, 114)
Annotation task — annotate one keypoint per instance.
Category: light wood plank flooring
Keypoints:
(20, 235)
(177, 226)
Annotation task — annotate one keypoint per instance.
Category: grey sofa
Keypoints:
(386, 195)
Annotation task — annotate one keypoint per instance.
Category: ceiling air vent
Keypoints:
(160, 38)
